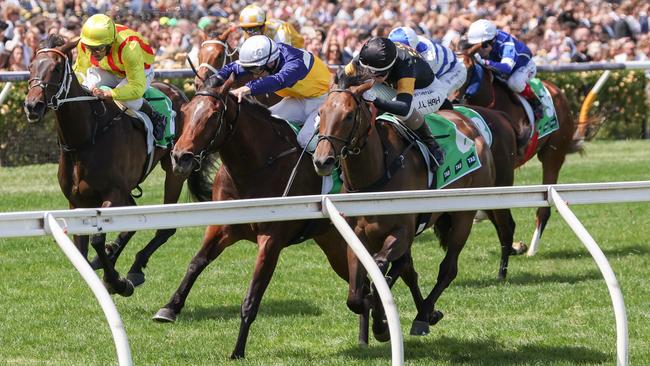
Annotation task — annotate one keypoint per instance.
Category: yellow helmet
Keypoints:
(98, 30)
(252, 16)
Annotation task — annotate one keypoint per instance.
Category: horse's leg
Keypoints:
(267, 258)
(114, 284)
(114, 249)
(453, 238)
(505, 226)
(358, 300)
(81, 242)
(215, 241)
(173, 188)
(552, 157)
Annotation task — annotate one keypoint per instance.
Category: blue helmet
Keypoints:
(404, 35)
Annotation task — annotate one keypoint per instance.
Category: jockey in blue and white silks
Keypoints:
(448, 69)
(509, 57)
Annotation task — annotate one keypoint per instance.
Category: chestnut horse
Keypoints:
(102, 153)
(551, 150)
(367, 152)
(254, 148)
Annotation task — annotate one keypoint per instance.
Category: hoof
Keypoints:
(363, 344)
(109, 288)
(519, 248)
(128, 288)
(383, 336)
(236, 356)
(136, 278)
(435, 317)
(165, 315)
(419, 328)
(480, 216)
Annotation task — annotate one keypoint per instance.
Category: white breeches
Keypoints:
(96, 77)
(426, 100)
(454, 78)
(517, 81)
(300, 110)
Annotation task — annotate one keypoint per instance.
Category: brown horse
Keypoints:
(254, 147)
(102, 153)
(374, 157)
(551, 150)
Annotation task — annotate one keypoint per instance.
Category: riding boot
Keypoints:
(535, 103)
(158, 121)
(425, 135)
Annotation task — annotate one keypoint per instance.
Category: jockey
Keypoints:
(300, 77)
(508, 56)
(451, 73)
(411, 90)
(115, 56)
(252, 21)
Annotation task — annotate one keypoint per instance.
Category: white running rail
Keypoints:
(92, 221)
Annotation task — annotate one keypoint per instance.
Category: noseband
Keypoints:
(350, 143)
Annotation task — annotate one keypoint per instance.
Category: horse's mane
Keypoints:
(344, 81)
(53, 40)
(257, 108)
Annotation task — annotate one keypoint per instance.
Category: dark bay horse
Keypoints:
(366, 150)
(258, 153)
(102, 153)
(551, 150)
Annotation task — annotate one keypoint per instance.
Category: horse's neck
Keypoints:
(366, 168)
(504, 102)
(251, 144)
(75, 124)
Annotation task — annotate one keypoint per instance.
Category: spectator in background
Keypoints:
(17, 60)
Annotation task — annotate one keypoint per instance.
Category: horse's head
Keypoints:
(477, 88)
(213, 55)
(345, 120)
(50, 75)
(205, 126)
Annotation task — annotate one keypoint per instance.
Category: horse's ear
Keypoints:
(359, 90)
(69, 46)
(226, 85)
(223, 36)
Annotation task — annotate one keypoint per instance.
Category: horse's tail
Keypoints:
(200, 181)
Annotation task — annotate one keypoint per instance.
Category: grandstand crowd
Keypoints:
(556, 31)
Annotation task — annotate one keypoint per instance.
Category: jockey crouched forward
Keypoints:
(409, 90)
(510, 58)
(115, 56)
(301, 78)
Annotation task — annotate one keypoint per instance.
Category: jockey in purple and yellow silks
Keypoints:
(117, 57)
(252, 21)
(297, 75)
(508, 57)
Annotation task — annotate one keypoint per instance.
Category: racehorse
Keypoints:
(254, 147)
(373, 156)
(551, 150)
(102, 153)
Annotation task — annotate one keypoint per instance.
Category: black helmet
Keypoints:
(378, 54)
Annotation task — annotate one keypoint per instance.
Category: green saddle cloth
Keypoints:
(163, 105)
(549, 122)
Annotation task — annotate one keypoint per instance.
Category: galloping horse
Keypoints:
(102, 153)
(254, 147)
(551, 150)
(374, 157)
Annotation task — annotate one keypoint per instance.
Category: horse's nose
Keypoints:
(34, 110)
(324, 166)
(182, 162)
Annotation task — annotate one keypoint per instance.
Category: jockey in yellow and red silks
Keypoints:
(114, 56)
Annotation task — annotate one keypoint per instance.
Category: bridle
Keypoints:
(61, 96)
(225, 58)
(350, 144)
(212, 145)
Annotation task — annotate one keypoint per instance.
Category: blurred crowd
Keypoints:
(557, 31)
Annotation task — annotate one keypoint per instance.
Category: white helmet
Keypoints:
(252, 16)
(404, 35)
(480, 31)
(257, 51)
